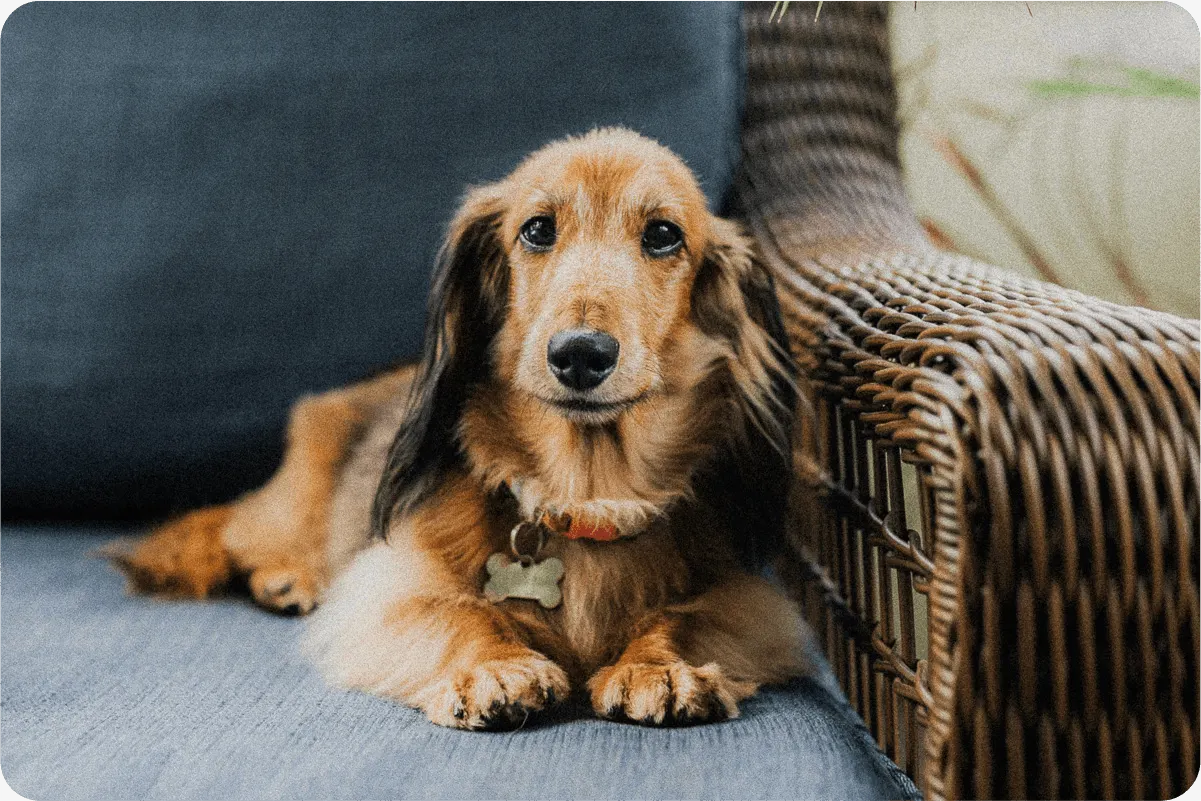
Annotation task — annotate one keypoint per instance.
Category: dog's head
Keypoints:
(590, 281)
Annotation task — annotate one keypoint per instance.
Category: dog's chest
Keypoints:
(610, 588)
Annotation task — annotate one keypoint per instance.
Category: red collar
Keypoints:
(575, 529)
(572, 529)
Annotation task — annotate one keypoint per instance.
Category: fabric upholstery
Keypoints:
(110, 696)
(212, 208)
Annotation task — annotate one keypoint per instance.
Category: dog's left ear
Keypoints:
(734, 300)
(464, 313)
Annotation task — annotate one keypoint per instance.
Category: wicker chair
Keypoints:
(1006, 471)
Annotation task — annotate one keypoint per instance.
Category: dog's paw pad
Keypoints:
(497, 694)
(666, 694)
(285, 590)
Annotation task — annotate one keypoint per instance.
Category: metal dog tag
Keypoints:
(535, 581)
(524, 577)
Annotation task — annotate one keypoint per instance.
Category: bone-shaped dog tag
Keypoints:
(535, 581)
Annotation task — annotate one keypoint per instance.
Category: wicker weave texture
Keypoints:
(1011, 463)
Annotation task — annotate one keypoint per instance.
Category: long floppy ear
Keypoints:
(734, 299)
(464, 313)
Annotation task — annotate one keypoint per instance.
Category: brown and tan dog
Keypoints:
(604, 360)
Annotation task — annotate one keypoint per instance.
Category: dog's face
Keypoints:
(603, 246)
(593, 284)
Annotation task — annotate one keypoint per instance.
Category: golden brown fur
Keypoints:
(682, 448)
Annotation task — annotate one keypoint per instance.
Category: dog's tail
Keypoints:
(184, 558)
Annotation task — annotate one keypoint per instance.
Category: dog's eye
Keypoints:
(662, 238)
(538, 233)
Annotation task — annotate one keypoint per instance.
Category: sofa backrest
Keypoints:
(211, 209)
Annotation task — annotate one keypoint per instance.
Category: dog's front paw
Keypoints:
(498, 693)
(659, 694)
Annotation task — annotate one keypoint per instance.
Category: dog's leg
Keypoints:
(185, 558)
(275, 536)
(397, 623)
(694, 662)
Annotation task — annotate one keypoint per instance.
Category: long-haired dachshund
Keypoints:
(570, 491)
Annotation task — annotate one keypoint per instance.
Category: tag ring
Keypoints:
(526, 558)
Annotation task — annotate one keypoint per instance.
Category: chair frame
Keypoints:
(1011, 462)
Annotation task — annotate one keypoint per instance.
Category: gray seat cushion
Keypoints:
(110, 696)
(211, 208)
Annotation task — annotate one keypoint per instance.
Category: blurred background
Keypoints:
(1058, 139)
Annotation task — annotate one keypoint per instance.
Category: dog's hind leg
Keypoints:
(184, 558)
(274, 537)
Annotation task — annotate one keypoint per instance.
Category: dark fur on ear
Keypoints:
(465, 311)
(734, 299)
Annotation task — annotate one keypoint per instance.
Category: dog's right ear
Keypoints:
(464, 313)
(734, 300)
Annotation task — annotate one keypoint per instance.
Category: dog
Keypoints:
(572, 490)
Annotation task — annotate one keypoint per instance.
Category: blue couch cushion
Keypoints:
(212, 208)
(110, 696)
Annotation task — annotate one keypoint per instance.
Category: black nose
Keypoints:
(581, 358)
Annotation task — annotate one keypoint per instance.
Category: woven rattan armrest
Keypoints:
(999, 477)
(1055, 444)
